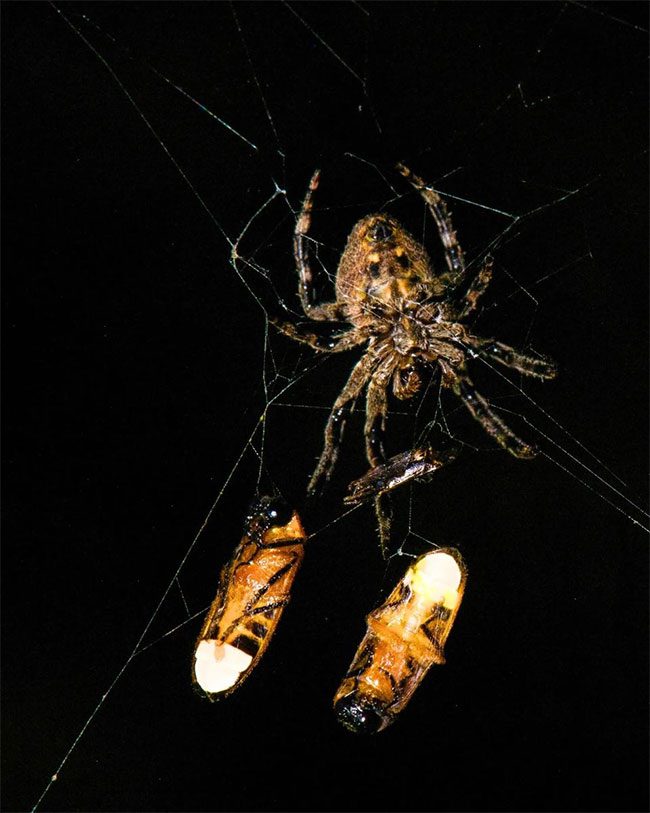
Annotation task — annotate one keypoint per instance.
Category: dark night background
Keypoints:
(133, 379)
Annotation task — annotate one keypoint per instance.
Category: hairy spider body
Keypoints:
(410, 316)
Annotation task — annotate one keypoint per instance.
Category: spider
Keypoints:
(408, 315)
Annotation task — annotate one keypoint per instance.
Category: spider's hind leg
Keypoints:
(507, 356)
(481, 411)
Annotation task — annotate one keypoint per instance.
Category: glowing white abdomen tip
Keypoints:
(218, 666)
(437, 577)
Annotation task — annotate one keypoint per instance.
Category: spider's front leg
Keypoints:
(438, 208)
(328, 311)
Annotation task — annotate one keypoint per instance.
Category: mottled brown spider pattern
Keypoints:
(409, 316)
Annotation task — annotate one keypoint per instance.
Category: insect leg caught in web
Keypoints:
(442, 217)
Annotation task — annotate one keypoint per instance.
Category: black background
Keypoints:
(133, 379)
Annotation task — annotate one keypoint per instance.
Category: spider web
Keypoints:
(195, 129)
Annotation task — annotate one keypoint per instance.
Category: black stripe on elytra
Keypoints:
(246, 644)
(440, 613)
(410, 668)
(365, 657)
(402, 684)
(251, 611)
(258, 629)
(241, 564)
(399, 688)
(250, 605)
(267, 608)
(403, 596)
(393, 682)
(434, 640)
(364, 661)
(283, 543)
(264, 589)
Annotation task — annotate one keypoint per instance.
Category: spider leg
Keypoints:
(507, 356)
(336, 421)
(376, 411)
(329, 310)
(438, 208)
(321, 342)
(480, 409)
(476, 289)
(384, 514)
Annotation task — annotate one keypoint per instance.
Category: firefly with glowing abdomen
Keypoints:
(405, 636)
(254, 588)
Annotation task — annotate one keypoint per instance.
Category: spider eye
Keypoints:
(373, 270)
(380, 231)
(403, 260)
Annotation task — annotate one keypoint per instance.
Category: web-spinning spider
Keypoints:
(410, 316)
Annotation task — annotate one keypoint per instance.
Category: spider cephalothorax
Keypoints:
(409, 316)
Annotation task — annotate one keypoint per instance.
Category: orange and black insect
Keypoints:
(404, 637)
(254, 588)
